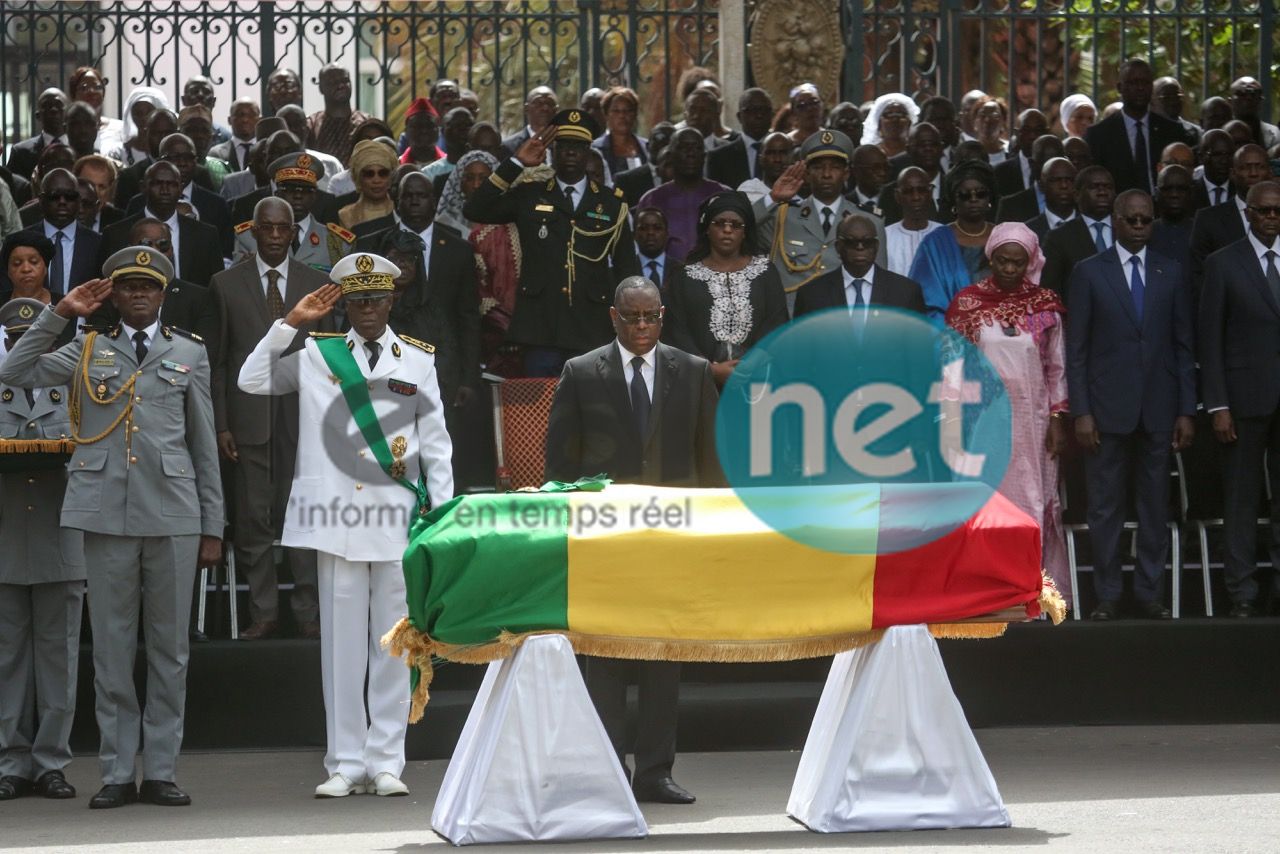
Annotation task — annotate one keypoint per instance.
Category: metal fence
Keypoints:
(394, 49)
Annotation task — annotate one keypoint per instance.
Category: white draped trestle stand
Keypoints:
(534, 762)
(890, 749)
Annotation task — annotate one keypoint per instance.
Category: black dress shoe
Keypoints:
(163, 794)
(1154, 611)
(114, 795)
(664, 790)
(1242, 611)
(1108, 609)
(12, 788)
(53, 785)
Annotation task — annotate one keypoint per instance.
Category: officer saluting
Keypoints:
(296, 178)
(372, 453)
(144, 488)
(41, 583)
(575, 240)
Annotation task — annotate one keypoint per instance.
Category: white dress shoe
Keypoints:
(386, 784)
(338, 786)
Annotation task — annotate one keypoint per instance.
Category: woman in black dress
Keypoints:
(728, 296)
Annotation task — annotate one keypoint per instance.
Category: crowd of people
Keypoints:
(1117, 266)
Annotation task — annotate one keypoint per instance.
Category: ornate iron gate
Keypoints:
(394, 48)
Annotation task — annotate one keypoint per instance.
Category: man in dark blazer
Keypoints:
(859, 283)
(51, 111)
(634, 183)
(735, 162)
(212, 209)
(924, 151)
(1129, 143)
(199, 249)
(258, 435)
(540, 106)
(651, 249)
(1017, 172)
(1216, 155)
(1240, 381)
(1131, 378)
(1027, 204)
(641, 412)
(77, 249)
(1221, 225)
(1058, 185)
(1086, 235)
(160, 124)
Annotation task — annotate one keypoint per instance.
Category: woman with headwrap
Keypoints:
(132, 147)
(1017, 326)
(1077, 113)
(371, 165)
(890, 121)
(952, 258)
(728, 296)
(24, 271)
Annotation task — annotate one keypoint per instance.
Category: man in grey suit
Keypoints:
(41, 584)
(144, 488)
(259, 435)
(296, 177)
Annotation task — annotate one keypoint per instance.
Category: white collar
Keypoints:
(869, 277)
(579, 189)
(1130, 121)
(1126, 255)
(1261, 250)
(1090, 222)
(425, 234)
(304, 224)
(68, 230)
(186, 192)
(238, 141)
(649, 358)
(1210, 186)
(1241, 204)
(1054, 220)
(48, 139)
(834, 205)
(660, 259)
(150, 331)
(172, 221)
(282, 268)
(361, 340)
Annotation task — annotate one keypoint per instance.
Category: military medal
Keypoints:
(402, 387)
(315, 239)
(542, 232)
(399, 445)
(7, 396)
(101, 390)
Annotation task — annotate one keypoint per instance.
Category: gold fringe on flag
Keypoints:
(1051, 601)
(37, 446)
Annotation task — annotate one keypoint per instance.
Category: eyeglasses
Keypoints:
(649, 317)
(274, 227)
(161, 244)
(973, 195)
(63, 196)
(1264, 211)
(375, 173)
(1138, 219)
(858, 242)
(731, 224)
(808, 104)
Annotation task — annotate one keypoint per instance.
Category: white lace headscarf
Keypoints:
(871, 128)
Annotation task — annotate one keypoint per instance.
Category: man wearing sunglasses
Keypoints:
(1221, 225)
(1131, 377)
(1238, 329)
(76, 248)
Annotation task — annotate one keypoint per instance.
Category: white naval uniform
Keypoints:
(359, 551)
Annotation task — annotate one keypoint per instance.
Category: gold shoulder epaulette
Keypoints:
(618, 192)
(244, 226)
(421, 345)
(341, 232)
(185, 334)
(327, 334)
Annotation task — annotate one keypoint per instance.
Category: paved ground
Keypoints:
(1124, 789)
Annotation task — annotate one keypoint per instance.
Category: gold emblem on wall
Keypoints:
(797, 41)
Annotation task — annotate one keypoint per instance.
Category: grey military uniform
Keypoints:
(319, 246)
(142, 491)
(42, 574)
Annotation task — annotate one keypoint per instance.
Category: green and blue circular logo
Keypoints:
(837, 401)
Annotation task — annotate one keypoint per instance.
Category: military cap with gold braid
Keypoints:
(575, 125)
(297, 166)
(365, 274)
(139, 262)
(826, 143)
(17, 315)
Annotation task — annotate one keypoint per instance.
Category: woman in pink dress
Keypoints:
(1017, 325)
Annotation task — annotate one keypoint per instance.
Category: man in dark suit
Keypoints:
(574, 240)
(1027, 204)
(1240, 381)
(198, 249)
(651, 249)
(1086, 235)
(735, 162)
(1129, 143)
(540, 106)
(1016, 172)
(642, 412)
(1171, 235)
(51, 111)
(76, 248)
(924, 151)
(634, 183)
(859, 284)
(1221, 225)
(1169, 101)
(1131, 376)
(243, 117)
(1058, 186)
(258, 435)
(212, 209)
(1217, 150)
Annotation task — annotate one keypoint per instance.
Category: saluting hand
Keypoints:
(533, 151)
(84, 299)
(789, 183)
(314, 305)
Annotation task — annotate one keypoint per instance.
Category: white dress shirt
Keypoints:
(646, 369)
(149, 333)
(868, 280)
(1054, 220)
(1107, 233)
(172, 222)
(579, 190)
(425, 234)
(655, 276)
(1210, 187)
(1025, 165)
(1242, 206)
(1126, 263)
(752, 153)
(1261, 250)
(68, 252)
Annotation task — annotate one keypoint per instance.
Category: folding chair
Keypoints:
(521, 408)
(229, 561)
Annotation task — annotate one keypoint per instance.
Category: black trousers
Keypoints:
(659, 683)
(1242, 492)
(1139, 463)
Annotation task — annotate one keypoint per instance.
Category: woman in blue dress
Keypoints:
(950, 259)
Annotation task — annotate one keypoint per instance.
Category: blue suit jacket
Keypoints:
(1130, 375)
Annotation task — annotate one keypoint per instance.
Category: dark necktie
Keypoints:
(244, 155)
(297, 239)
(1217, 195)
(56, 275)
(1136, 286)
(755, 160)
(1273, 275)
(31, 397)
(140, 345)
(858, 301)
(1140, 160)
(640, 402)
(275, 300)
(826, 222)
(568, 194)
(653, 273)
(1100, 241)
(375, 350)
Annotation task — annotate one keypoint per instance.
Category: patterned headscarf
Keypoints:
(449, 210)
(1016, 232)
(369, 152)
(1028, 307)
